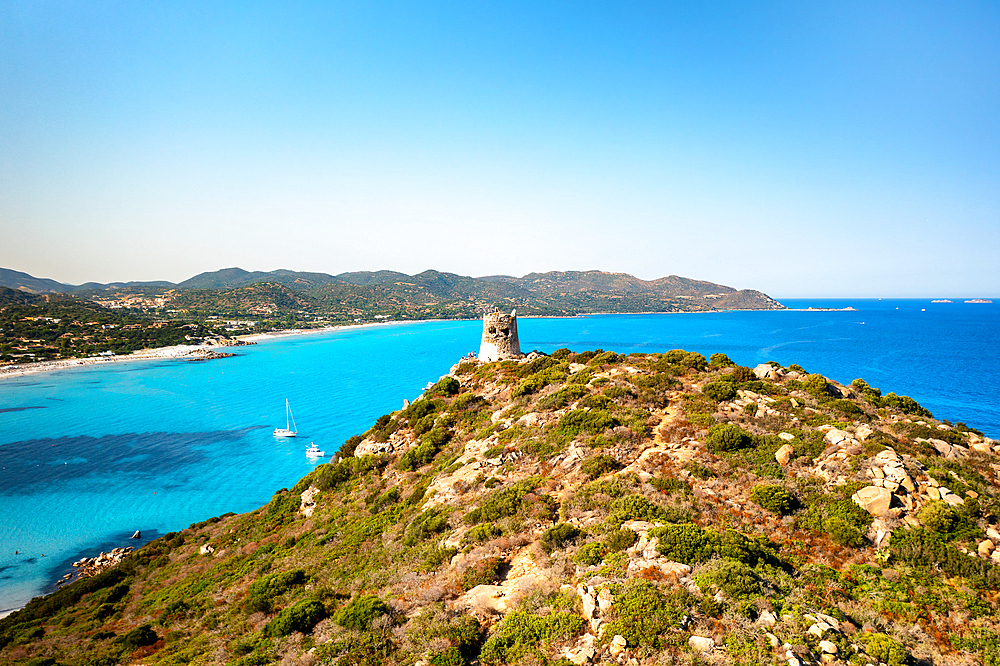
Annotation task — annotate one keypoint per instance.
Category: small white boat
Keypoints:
(313, 451)
(290, 429)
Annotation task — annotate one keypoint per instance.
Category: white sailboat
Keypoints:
(290, 429)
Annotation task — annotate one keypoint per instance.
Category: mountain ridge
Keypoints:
(235, 292)
(234, 277)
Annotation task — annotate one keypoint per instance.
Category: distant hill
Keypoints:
(18, 280)
(368, 278)
(23, 281)
(430, 294)
(230, 278)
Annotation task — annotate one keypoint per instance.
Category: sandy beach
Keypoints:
(186, 352)
(180, 352)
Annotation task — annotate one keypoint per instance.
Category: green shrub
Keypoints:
(720, 361)
(365, 649)
(445, 386)
(635, 507)
(773, 498)
(698, 471)
(558, 536)
(419, 409)
(501, 503)
(578, 421)
(466, 402)
(520, 632)
(741, 373)
(301, 617)
(841, 519)
(920, 547)
(596, 402)
(694, 360)
(885, 649)
(437, 557)
(642, 614)
(733, 545)
(735, 579)
(536, 366)
(599, 465)
(727, 437)
(560, 353)
(618, 392)
(719, 390)
(139, 637)
(347, 449)
(263, 591)
(844, 532)
(424, 453)
(483, 532)
(905, 404)
(428, 523)
(947, 521)
(816, 386)
(685, 542)
(359, 613)
(117, 593)
(618, 540)
(590, 554)
(564, 396)
(527, 387)
(668, 485)
(484, 572)
(604, 358)
(846, 407)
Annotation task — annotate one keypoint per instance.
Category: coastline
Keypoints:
(194, 352)
(175, 352)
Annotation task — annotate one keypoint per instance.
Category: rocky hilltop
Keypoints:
(581, 508)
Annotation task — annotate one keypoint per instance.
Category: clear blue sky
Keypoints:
(800, 148)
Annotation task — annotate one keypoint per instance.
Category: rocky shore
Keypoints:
(91, 566)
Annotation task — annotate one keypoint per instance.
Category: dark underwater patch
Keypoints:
(132, 456)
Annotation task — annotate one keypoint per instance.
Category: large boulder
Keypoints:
(874, 500)
(702, 643)
(767, 371)
(784, 454)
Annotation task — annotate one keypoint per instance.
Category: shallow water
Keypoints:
(91, 454)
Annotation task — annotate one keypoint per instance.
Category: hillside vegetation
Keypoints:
(52, 326)
(283, 298)
(581, 508)
(344, 297)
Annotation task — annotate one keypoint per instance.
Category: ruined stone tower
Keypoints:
(499, 337)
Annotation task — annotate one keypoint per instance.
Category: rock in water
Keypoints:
(136, 535)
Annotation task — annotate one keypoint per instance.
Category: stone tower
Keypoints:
(499, 337)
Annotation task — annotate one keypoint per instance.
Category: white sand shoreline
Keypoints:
(191, 352)
(176, 352)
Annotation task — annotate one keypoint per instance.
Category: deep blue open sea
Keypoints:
(91, 454)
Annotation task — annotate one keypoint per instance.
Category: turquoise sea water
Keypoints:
(89, 455)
